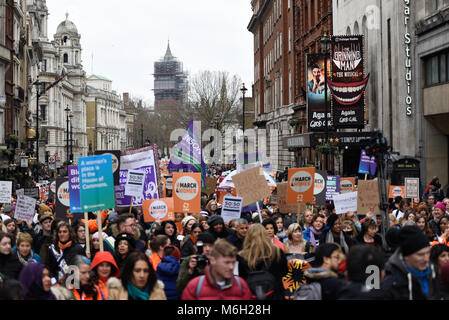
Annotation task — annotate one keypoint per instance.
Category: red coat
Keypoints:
(211, 291)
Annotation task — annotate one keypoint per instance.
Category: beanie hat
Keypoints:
(332, 219)
(112, 217)
(445, 275)
(412, 239)
(206, 237)
(440, 205)
(44, 217)
(214, 220)
(127, 237)
(8, 208)
(175, 253)
(186, 220)
(96, 235)
(392, 237)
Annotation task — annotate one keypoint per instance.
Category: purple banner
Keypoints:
(74, 189)
(365, 162)
(332, 187)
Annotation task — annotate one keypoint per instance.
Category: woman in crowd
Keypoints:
(11, 227)
(188, 246)
(439, 255)
(259, 253)
(369, 235)
(444, 229)
(103, 268)
(138, 281)
(305, 220)
(10, 265)
(169, 229)
(168, 270)
(157, 245)
(212, 207)
(409, 214)
(296, 243)
(349, 228)
(422, 222)
(87, 290)
(63, 250)
(80, 234)
(313, 233)
(124, 245)
(351, 216)
(95, 243)
(23, 249)
(36, 282)
(335, 233)
(271, 229)
(187, 224)
(281, 229)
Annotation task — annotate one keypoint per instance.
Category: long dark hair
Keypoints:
(58, 227)
(128, 268)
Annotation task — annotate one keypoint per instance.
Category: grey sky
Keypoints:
(126, 37)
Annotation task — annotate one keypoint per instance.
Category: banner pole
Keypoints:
(86, 227)
(258, 210)
(100, 230)
(131, 205)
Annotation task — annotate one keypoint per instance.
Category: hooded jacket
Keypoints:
(100, 257)
(401, 284)
(330, 284)
(167, 271)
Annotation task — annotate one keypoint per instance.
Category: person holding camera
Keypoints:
(194, 265)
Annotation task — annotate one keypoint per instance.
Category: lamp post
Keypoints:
(325, 42)
(71, 140)
(243, 89)
(67, 145)
(38, 84)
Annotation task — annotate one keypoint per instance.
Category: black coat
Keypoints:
(222, 235)
(349, 241)
(10, 266)
(329, 281)
(235, 241)
(188, 248)
(68, 254)
(358, 291)
(377, 240)
(398, 280)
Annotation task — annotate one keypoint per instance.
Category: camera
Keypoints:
(202, 260)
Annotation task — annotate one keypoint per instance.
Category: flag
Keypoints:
(188, 154)
(56, 82)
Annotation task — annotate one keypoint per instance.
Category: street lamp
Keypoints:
(38, 85)
(71, 140)
(243, 89)
(67, 145)
(325, 42)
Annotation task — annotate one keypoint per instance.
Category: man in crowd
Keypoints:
(238, 237)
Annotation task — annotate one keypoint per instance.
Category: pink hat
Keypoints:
(440, 205)
(97, 236)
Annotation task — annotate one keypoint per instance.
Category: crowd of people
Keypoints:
(200, 257)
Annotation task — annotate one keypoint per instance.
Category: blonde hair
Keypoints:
(258, 247)
(24, 237)
(292, 228)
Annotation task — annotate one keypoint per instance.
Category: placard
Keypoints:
(96, 183)
(134, 183)
(211, 185)
(5, 191)
(332, 187)
(347, 185)
(300, 185)
(396, 191)
(158, 209)
(251, 185)
(115, 155)
(319, 188)
(32, 192)
(62, 197)
(345, 202)
(411, 188)
(368, 196)
(25, 207)
(365, 163)
(74, 189)
(187, 192)
(282, 204)
(231, 208)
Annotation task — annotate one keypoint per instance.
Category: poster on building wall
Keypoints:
(315, 93)
(348, 82)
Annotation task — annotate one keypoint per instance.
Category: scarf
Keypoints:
(330, 238)
(25, 261)
(64, 246)
(422, 277)
(314, 233)
(137, 294)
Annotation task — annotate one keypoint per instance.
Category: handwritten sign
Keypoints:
(345, 202)
(5, 191)
(251, 185)
(25, 207)
(368, 196)
(411, 188)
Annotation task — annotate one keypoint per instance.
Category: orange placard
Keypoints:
(158, 210)
(347, 185)
(300, 185)
(396, 191)
(187, 192)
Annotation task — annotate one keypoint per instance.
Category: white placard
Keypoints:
(231, 208)
(135, 183)
(345, 202)
(5, 191)
(25, 207)
(411, 188)
(20, 192)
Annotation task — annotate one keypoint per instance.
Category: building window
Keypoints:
(44, 65)
(436, 68)
(66, 58)
(43, 110)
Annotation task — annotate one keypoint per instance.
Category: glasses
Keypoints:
(134, 225)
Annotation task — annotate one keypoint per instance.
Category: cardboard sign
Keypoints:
(158, 209)
(5, 191)
(396, 191)
(319, 188)
(211, 185)
(231, 208)
(282, 204)
(251, 185)
(25, 207)
(62, 197)
(74, 189)
(96, 183)
(411, 188)
(134, 183)
(368, 196)
(301, 182)
(347, 185)
(345, 202)
(332, 187)
(187, 192)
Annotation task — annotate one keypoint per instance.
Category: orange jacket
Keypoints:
(84, 297)
(92, 223)
(155, 260)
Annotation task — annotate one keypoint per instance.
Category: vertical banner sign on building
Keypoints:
(348, 84)
(25, 207)
(319, 188)
(300, 185)
(411, 188)
(315, 86)
(365, 163)
(231, 208)
(134, 183)
(96, 182)
(115, 154)
(347, 185)
(145, 159)
(187, 192)
(74, 189)
(5, 191)
(158, 210)
(332, 187)
(62, 198)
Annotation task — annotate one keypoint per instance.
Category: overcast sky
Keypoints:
(127, 37)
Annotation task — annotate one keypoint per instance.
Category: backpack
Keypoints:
(200, 284)
(309, 291)
(262, 284)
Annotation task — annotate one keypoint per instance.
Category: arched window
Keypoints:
(348, 31)
(66, 58)
(356, 28)
(65, 39)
